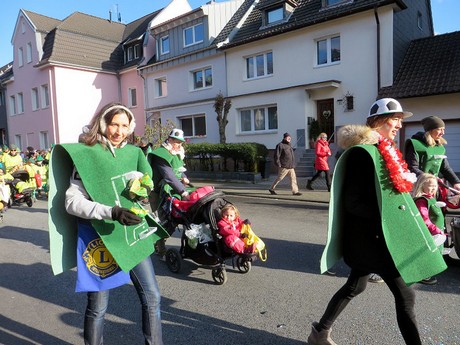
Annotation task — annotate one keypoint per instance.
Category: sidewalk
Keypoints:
(260, 189)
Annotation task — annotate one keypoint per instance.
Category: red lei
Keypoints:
(400, 175)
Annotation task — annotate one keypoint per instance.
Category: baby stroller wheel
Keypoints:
(173, 260)
(243, 264)
(29, 202)
(219, 275)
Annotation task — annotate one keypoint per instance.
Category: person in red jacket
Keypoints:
(230, 226)
(323, 152)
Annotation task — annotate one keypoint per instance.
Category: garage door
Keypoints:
(452, 135)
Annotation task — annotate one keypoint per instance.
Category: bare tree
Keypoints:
(222, 106)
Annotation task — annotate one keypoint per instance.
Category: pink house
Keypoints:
(65, 70)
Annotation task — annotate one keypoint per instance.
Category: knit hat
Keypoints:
(432, 122)
(285, 135)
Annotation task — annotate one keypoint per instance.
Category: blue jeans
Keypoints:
(143, 278)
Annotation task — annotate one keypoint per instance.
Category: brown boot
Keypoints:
(320, 338)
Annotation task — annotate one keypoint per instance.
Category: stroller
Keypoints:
(205, 246)
(21, 192)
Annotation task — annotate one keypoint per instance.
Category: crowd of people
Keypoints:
(20, 171)
(88, 209)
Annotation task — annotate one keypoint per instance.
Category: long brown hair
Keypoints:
(98, 124)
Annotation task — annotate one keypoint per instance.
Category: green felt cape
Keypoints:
(408, 240)
(103, 177)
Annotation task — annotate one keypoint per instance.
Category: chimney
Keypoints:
(110, 15)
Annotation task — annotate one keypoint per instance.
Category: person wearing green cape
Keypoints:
(113, 238)
(374, 224)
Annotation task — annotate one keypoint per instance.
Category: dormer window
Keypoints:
(278, 12)
(330, 3)
(132, 52)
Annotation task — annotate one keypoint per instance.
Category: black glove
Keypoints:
(244, 236)
(246, 221)
(125, 216)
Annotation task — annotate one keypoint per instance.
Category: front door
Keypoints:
(325, 116)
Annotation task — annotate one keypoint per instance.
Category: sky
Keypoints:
(445, 13)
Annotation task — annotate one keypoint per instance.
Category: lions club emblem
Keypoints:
(98, 259)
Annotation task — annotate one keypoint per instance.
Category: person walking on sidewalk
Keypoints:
(323, 151)
(285, 161)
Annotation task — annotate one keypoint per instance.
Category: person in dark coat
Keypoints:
(285, 161)
(425, 151)
(369, 210)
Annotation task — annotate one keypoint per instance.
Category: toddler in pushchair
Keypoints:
(200, 239)
(21, 191)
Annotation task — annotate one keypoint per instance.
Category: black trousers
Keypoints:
(326, 175)
(404, 299)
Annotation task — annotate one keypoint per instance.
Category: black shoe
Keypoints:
(297, 194)
(272, 192)
(429, 281)
(309, 187)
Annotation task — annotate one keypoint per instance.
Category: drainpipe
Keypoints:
(378, 47)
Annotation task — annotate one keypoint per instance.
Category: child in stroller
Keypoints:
(21, 190)
(200, 240)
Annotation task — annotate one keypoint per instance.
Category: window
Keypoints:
(275, 15)
(259, 65)
(419, 20)
(129, 54)
(137, 51)
(327, 3)
(21, 57)
(44, 142)
(20, 103)
(18, 141)
(132, 97)
(328, 51)
(164, 45)
(29, 52)
(35, 99)
(45, 96)
(193, 35)
(2, 97)
(194, 126)
(12, 105)
(161, 87)
(259, 119)
(202, 78)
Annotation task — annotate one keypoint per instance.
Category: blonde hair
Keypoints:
(320, 135)
(422, 180)
(431, 142)
(229, 207)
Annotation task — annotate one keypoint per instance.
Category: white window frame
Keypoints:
(20, 56)
(203, 70)
(132, 97)
(35, 98)
(160, 87)
(255, 112)
(29, 52)
(252, 68)
(13, 105)
(162, 45)
(328, 42)
(193, 29)
(137, 51)
(20, 101)
(18, 141)
(193, 118)
(45, 96)
(130, 54)
(44, 140)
